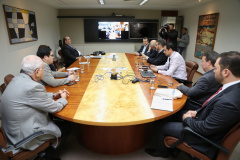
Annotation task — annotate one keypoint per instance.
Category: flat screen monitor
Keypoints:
(113, 30)
(143, 29)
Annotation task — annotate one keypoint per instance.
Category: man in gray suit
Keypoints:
(45, 53)
(205, 86)
(25, 105)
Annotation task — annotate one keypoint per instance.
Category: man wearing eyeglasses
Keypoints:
(46, 54)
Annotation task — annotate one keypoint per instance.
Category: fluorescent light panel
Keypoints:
(101, 1)
(144, 1)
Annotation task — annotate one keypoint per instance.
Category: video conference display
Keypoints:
(116, 30)
(113, 30)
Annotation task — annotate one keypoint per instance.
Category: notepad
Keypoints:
(162, 103)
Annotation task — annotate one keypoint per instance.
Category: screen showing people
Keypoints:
(113, 30)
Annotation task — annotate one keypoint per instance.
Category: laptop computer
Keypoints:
(147, 74)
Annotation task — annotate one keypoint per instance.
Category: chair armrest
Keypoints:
(16, 146)
(182, 81)
(188, 129)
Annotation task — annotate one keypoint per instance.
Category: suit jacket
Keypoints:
(215, 119)
(204, 88)
(25, 108)
(69, 55)
(48, 77)
(140, 50)
(160, 59)
(172, 36)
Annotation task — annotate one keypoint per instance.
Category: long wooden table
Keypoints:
(112, 117)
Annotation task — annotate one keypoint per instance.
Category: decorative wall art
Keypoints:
(206, 33)
(21, 25)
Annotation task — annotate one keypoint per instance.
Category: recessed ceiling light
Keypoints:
(101, 1)
(144, 1)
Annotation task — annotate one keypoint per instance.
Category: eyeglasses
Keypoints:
(51, 55)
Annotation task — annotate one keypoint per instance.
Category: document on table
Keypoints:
(74, 68)
(162, 103)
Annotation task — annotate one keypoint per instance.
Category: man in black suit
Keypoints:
(205, 86)
(70, 54)
(170, 35)
(144, 48)
(216, 116)
(160, 58)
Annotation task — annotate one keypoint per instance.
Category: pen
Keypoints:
(173, 91)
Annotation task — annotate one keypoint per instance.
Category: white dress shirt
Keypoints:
(177, 67)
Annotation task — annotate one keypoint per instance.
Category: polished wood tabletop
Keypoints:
(104, 102)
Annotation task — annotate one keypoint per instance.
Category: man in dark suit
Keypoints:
(144, 48)
(152, 50)
(205, 86)
(170, 35)
(70, 54)
(160, 58)
(216, 116)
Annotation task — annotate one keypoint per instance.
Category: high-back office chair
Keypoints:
(226, 148)
(2, 87)
(8, 78)
(55, 63)
(191, 67)
(6, 153)
(60, 54)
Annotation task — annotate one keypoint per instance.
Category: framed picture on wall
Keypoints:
(21, 25)
(206, 33)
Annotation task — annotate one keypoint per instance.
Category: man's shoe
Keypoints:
(155, 153)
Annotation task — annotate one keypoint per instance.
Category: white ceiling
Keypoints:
(124, 4)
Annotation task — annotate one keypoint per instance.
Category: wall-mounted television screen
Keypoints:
(143, 29)
(113, 30)
(119, 30)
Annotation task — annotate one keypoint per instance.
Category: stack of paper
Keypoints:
(163, 99)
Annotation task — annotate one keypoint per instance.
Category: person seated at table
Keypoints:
(160, 58)
(144, 48)
(46, 54)
(216, 116)
(205, 86)
(70, 53)
(26, 105)
(175, 65)
(52, 67)
(152, 51)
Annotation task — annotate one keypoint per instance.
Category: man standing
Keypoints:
(46, 54)
(175, 65)
(144, 47)
(205, 86)
(70, 54)
(216, 116)
(170, 35)
(183, 41)
(26, 105)
(160, 58)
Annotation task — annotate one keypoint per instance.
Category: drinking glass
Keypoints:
(88, 60)
(136, 63)
(152, 84)
(77, 75)
(82, 68)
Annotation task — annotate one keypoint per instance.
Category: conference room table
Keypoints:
(114, 116)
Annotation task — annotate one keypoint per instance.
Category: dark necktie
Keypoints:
(169, 63)
(212, 96)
